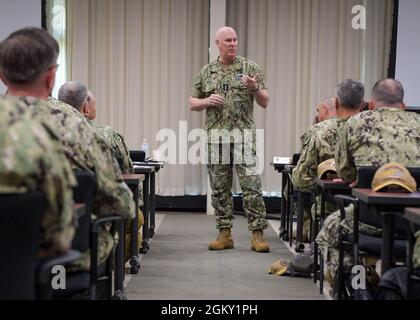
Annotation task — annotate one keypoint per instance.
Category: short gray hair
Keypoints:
(73, 93)
(388, 92)
(350, 93)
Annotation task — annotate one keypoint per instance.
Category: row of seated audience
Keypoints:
(44, 141)
(354, 134)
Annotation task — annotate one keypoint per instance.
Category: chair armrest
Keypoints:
(96, 224)
(101, 221)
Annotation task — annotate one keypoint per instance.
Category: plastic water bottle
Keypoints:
(145, 147)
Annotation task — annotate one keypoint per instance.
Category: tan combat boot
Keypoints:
(223, 241)
(258, 243)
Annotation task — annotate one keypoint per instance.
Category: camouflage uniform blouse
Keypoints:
(238, 108)
(320, 146)
(374, 138)
(118, 148)
(31, 158)
(87, 151)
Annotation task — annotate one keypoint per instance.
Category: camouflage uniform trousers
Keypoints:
(128, 235)
(328, 239)
(416, 253)
(106, 243)
(314, 211)
(221, 177)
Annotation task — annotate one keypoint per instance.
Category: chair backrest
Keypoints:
(84, 193)
(137, 156)
(20, 231)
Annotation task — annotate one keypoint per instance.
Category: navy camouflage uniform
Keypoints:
(236, 113)
(32, 159)
(87, 151)
(371, 138)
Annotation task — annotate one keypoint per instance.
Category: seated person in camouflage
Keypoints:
(114, 140)
(32, 159)
(28, 63)
(116, 143)
(76, 95)
(416, 253)
(322, 139)
(372, 138)
(324, 111)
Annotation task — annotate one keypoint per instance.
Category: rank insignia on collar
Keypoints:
(225, 87)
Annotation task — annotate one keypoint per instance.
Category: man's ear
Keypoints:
(50, 79)
(371, 105)
(85, 109)
(403, 106)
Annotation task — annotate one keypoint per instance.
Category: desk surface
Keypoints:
(331, 185)
(387, 198)
(155, 164)
(132, 179)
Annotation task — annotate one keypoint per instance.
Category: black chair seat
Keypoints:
(77, 284)
(369, 245)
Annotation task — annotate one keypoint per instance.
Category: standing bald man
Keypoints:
(227, 89)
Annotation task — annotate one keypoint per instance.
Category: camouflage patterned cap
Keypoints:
(394, 177)
(328, 166)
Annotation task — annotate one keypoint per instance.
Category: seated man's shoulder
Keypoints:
(361, 119)
(11, 109)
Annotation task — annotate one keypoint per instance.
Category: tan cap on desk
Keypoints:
(328, 166)
(393, 176)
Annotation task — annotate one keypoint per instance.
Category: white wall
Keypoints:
(16, 14)
(408, 50)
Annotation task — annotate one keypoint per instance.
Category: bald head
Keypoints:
(73, 93)
(227, 43)
(388, 93)
(223, 31)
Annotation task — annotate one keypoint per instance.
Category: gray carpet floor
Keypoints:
(179, 265)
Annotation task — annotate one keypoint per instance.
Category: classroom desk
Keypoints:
(279, 167)
(157, 165)
(287, 172)
(148, 172)
(133, 182)
(380, 203)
